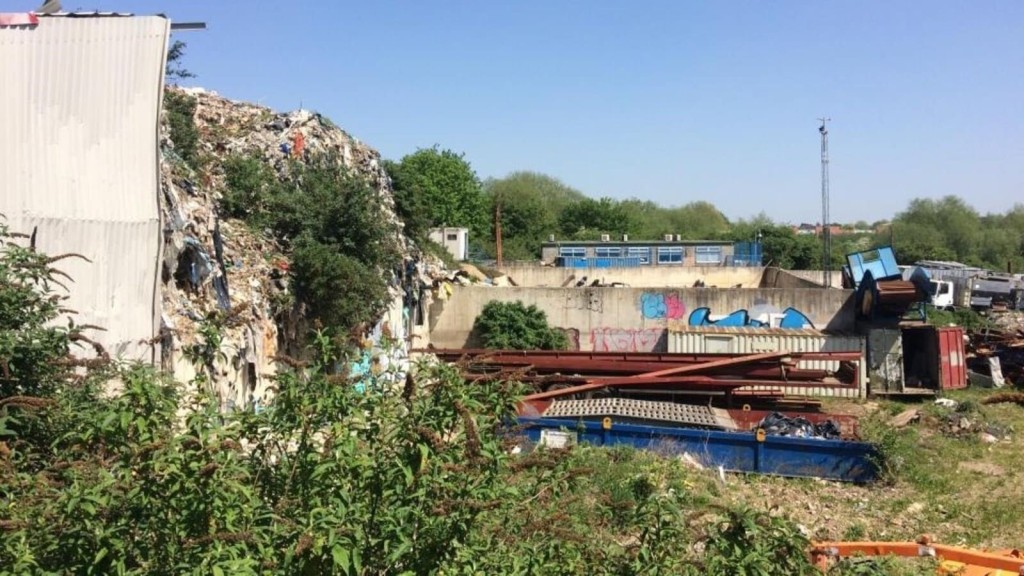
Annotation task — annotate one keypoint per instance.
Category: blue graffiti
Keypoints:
(790, 318)
(655, 306)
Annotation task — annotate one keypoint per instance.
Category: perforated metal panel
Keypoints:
(641, 410)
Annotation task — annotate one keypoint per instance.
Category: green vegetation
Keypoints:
(154, 479)
(960, 317)
(436, 187)
(515, 326)
(181, 110)
(173, 70)
(343, 245)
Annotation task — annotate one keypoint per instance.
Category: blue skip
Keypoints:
(841, 460)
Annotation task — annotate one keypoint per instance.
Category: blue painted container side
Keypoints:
(881, 262)
(734, 451)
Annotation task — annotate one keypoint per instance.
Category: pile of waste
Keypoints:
(222, 267)
(996, 357)
(777, 424)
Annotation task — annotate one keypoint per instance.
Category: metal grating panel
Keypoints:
(642, 410)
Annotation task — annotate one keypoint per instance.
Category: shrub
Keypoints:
(181, 110)
(513, 325)
(344, 246)
(248, 184)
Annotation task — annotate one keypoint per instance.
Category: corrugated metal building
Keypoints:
(736, 340)
(81, 99)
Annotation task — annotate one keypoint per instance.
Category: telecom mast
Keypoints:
(826, 229)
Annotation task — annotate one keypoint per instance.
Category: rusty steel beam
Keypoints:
(612, 368)
(653, 377)
(457, 354)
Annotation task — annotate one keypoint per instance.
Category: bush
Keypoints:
(248, 184)
(344, 245)
(339, 290)
(515, 326)
(33, 350)
(181, 110)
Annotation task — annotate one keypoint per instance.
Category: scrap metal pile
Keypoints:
(996, 356)
(671, 389)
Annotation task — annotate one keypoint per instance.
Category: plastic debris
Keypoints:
(777, 424)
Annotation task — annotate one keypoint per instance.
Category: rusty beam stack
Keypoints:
(571, 374)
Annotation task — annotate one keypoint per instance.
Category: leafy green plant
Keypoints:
(513, 325)
(752, 543)
(181, 110)
(343, 245)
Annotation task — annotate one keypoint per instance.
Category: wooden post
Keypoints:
(497, 231)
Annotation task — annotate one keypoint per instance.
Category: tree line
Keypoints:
(438, 187)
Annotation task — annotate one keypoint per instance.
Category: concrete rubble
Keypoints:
(216, 266)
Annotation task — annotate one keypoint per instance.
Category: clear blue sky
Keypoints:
(669, 101)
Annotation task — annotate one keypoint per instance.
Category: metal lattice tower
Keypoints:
(826, 230)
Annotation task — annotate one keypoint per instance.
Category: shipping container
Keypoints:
(735, 340)
(916, 359)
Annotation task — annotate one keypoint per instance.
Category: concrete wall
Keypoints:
(779, 278)
(529, 275)
(816, 276)
(631, 319)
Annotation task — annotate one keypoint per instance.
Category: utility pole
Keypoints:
(497, 231)
(826, 229)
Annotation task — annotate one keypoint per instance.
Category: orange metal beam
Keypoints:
(952, 560)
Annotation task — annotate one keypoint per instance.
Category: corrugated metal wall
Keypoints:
(80, 99)
(756, 340)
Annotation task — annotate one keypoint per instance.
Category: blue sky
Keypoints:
(669, 101)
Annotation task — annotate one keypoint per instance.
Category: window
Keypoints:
(671, 255)
(608, 252)
(709, 254)
(575, 252)
(453, 237)
(644, 253)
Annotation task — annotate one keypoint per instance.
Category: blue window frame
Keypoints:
(573, 252)
(608, 252)
(670, 255)
(709, 254)
(643, 253)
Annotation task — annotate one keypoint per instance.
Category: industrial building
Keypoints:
(671, 250)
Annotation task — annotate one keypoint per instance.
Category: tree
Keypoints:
(173, 69)
(589, 218)
(515, 326)
(436, 187)
(531, 204)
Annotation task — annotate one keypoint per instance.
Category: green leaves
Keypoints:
(513, 325)
(435, 187)
(343, 244)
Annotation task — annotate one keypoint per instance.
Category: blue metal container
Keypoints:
(734, 451)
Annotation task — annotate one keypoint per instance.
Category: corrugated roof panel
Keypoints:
(80, 99)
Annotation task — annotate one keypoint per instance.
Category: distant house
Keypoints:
(454, 240)
(670, 251)
(816, 229)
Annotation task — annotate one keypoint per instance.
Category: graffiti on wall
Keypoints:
(629, 339)
(656, 306)
(591, 300)
(572, 336)
(760, 318)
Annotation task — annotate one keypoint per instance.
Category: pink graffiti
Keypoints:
(627, 339)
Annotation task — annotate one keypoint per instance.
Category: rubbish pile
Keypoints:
(777, 424)
(996, 357)
(214, 266)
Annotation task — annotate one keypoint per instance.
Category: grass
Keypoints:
(939, 481)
